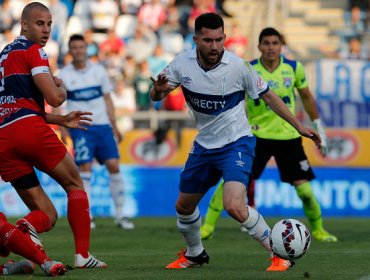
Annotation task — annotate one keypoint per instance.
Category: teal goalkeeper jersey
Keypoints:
(265, 122)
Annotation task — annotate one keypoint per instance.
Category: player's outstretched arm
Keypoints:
(75, 119)
(278, 106)
(310, 107)
(160, 88)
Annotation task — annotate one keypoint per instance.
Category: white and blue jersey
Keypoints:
(224, 146)
(217, 96)
(85, 92)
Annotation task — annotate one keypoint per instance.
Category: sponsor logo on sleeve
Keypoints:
(43, 54)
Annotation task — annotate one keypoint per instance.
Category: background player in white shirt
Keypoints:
(214, 82)
(88, 86)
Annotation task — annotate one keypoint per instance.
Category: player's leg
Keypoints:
(84, 144)
(297, 171)
(236, 165)
(116, 186)
(196, 178)
(312, 210)
(107, 153)
(188, 223)
(85, 173)
(67, 175)
(215, 208)
(17, 242)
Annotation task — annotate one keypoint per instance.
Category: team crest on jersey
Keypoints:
(43, 54)
(260, 83)
(287, 82)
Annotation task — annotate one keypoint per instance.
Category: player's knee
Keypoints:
(184, 209)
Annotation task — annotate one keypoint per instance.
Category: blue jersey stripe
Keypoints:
(212, 104)
(85, 94)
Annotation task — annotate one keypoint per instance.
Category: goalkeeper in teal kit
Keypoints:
(276, 137)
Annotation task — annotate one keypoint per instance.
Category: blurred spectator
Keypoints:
(175, 101)
(236, 41)
(200, 7)
(103, 14)
(59, 12)
(129, 70)
(7, 16)
(142, 84)
(142, 45)
(125, 104)
(158, 61)
(286, 51)
(130, 7)
(112, 45)
(6, 38)
(152, 14)
(353, 50)
(92, 47)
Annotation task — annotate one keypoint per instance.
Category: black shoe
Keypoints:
(200, 259)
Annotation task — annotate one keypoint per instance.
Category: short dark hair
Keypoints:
(76, 37)
(208, 20)
(269, 31)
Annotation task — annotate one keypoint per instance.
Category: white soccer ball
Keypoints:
(290, 239)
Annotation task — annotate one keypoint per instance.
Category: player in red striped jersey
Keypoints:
(26, 140)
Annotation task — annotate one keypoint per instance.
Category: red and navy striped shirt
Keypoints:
(19, 96)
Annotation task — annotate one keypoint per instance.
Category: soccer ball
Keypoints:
(290, 239)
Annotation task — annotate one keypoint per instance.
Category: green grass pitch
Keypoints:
(143, 253)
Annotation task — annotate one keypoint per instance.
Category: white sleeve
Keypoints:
(172, 72)
(254, 84)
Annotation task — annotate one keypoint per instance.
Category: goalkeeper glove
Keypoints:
(324, 141)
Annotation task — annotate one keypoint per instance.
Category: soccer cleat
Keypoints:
(124, 223)
(278, 264)
(18, 267)
(323, 235)
(53, 268)
(206, 231)
(89, 262)
(189, 262)
(29, 230)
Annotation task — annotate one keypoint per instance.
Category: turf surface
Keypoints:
(143, 253)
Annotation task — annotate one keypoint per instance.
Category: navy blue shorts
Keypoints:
(205, 167)
(97, 142)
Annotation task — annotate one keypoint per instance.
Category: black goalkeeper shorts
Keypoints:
(290, 158)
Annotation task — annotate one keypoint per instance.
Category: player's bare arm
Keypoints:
(160, 88)
(75, 119)
(112, 116)
(310, 107)
(54, 93)
(278, 106)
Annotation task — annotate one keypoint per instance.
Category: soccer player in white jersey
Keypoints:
(88, 86)
(214, 82)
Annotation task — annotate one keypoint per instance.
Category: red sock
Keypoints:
(19, 243)
(39, 220)
(79, 220)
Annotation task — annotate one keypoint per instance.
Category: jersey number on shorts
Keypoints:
(81, 150)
